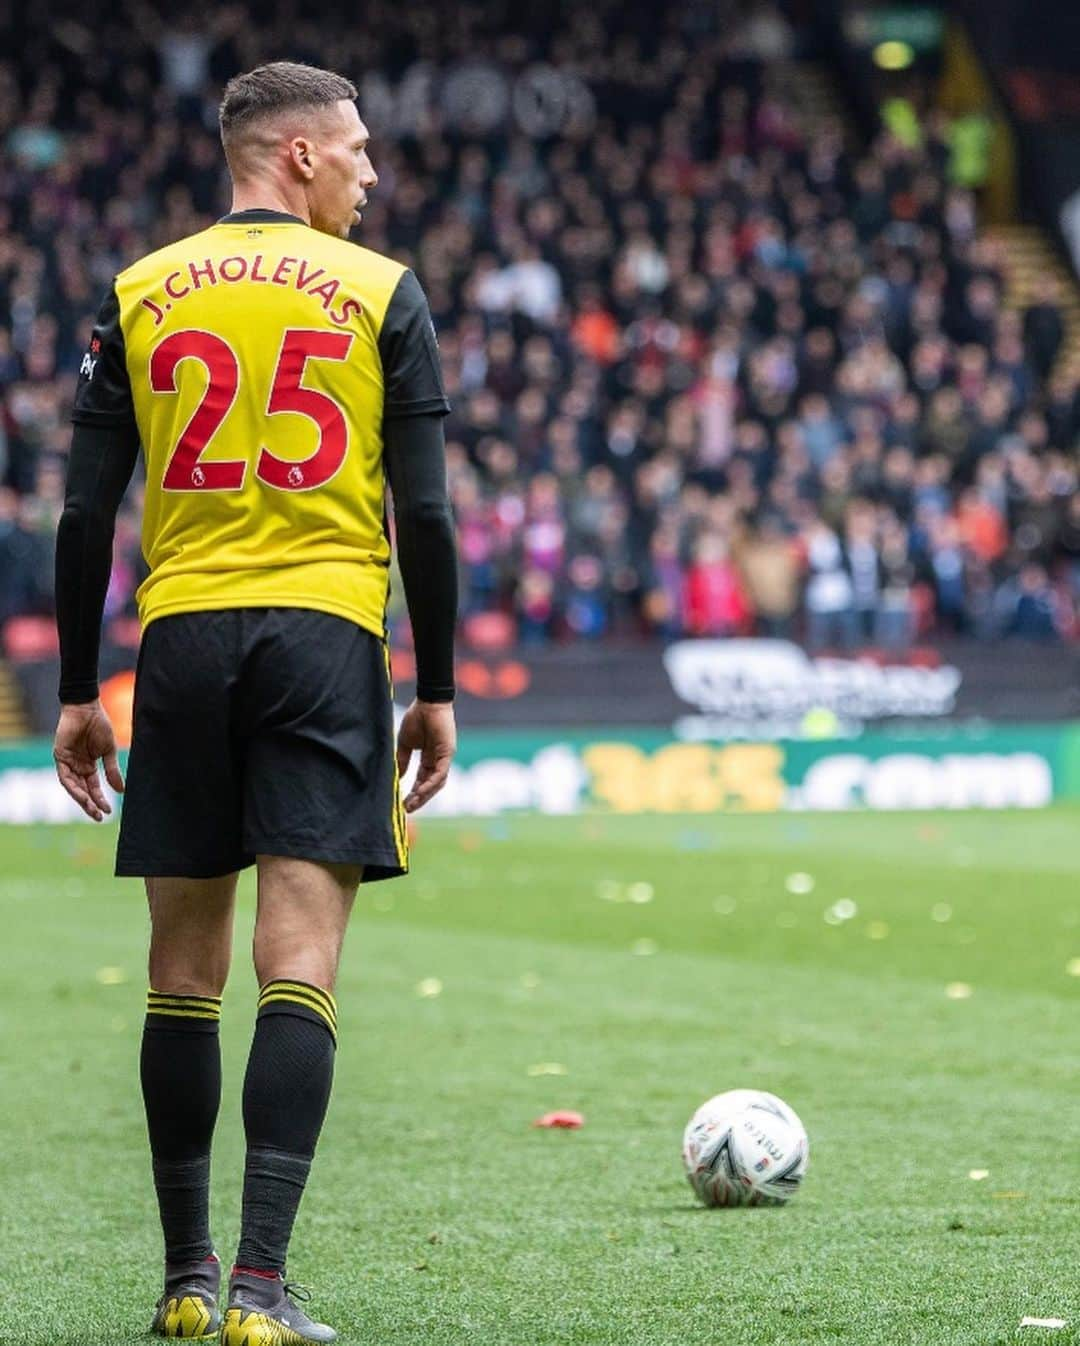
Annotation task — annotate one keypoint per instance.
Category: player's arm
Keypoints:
(415, 459)
(104, 447)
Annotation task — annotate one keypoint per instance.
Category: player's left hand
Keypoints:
(427, 727)
(83, 737)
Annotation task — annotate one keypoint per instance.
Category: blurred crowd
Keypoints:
(713, 370)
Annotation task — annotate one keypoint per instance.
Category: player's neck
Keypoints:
(265, 196)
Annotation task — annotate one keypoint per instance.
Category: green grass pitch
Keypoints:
(656, 961)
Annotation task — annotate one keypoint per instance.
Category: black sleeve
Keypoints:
(99, 469)
(103, 394)
(409, 352)
(415, 459)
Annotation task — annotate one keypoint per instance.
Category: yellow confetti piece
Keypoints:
(1009, 1196)
(530, 981)
(640, 893)
(429, 988)
(978, 1174)
(644, 948)
(547, 1068)
(941, 912)
(1054, 1324)
(724, 906)
(1072, 967)
(111, 976)
(798, 883)
(959, 990)
(877, 930)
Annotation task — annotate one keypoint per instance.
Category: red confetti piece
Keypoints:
(569, 1121)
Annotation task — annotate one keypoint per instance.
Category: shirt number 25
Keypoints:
(186, 471)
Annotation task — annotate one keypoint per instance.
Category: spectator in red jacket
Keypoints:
(714, 598)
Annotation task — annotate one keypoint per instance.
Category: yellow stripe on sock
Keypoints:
(301, 996)
(291, 998)
(192, 1001)
(304, 988)
(159, 1002)
(183, 1013)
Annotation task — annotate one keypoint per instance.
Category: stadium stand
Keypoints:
(716, 367)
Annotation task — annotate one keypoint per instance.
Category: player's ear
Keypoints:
(301, 152)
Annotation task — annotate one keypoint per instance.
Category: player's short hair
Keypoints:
(253, 98)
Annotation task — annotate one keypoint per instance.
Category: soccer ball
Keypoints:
(745, 1148)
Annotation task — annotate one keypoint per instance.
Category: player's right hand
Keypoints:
(427, 727)
(83, 737)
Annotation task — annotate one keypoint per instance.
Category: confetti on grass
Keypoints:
(644, 948)
(978, 1174)
(611, 890)
(565, 1120)
(547, 1068)
(429, 988)
(111, 976)
(1054, 1324)
(839, 912)
(799, 883)
(1072, 967)
(959, 990)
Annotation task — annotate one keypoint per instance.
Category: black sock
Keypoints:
(286, 1092)
(181, 1083)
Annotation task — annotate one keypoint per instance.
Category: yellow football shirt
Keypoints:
(259, 359)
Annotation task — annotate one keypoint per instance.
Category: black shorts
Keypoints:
(261, 731)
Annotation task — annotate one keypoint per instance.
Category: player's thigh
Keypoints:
(303, 911)
(182, 805)
(191, 930)
(320, 772)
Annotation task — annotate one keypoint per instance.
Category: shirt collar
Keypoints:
(259, 216)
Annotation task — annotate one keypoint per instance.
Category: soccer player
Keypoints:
(276, 376)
